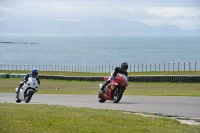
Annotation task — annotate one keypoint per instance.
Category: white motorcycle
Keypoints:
(27, 90)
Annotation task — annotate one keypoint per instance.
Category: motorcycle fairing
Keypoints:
(30, 85)
(21, 94)
(109, 89)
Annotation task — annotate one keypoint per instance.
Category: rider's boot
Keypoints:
(103, 86)
(17, 91)
(20, 85)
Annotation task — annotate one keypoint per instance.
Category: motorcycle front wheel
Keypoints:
(118, 93)
(28, 96)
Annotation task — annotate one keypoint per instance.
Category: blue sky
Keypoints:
(184, 14)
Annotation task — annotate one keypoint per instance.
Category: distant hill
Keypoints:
(89, 26)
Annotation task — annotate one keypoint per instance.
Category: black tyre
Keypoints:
(117, 95)
(101, 98)
(28, 96)
(17, 98)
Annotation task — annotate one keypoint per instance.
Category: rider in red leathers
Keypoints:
(122, 70)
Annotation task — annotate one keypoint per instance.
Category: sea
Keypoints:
(94, 50)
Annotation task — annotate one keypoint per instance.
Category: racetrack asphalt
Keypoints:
(180, 107)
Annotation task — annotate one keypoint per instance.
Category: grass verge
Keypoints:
(18, 118)
(86, 87)
(64, 73)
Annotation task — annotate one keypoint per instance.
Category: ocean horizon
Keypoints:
(91, 50)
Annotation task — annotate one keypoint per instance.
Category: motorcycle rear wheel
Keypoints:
(101, 98)
(118, 94)
(28, 96)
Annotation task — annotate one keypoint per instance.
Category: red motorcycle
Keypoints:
(114, 90)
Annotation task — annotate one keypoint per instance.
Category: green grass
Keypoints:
(87, 87)
(30, 118)
(103, 74)
(17, 118)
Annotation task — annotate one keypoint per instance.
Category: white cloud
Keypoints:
(151, 13)
(4, 9)
(4, 12)
(184, 18)
(174, 11)
(137, 13)
(68, 20)
(2, 19)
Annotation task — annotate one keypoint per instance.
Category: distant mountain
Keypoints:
(89, 26)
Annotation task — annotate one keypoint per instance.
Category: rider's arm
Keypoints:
(26, 77)
(116, 70)
(113, 74)
(38, 80)
(126, 74)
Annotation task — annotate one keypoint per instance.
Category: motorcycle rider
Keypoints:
(122, 70)
(34, 74)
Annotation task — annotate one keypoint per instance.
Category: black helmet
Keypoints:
(124, 66)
